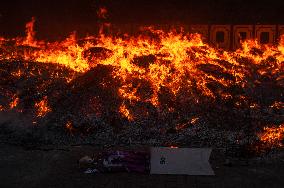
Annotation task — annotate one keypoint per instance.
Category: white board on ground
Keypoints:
(190, 161)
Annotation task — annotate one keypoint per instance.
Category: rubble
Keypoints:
(116, 96)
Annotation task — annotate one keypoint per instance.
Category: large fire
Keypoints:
(178, 65)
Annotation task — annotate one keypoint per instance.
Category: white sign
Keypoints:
(190, 161)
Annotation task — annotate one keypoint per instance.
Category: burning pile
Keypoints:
(169, 81)
(273, 136)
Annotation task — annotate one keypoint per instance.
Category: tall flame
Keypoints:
(30, 37)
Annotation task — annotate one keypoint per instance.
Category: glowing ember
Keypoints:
(14, 102)
(1, 108)
(273, 136)
(277, 105)
(17, 74)
(42, 107)
(69, 126)
(125, 112)
(194, 120)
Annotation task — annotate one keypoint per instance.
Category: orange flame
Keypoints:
(102, 13)
(30, 38)
(278, 105)
(125, 112)
(273, 135)
(194, 120)
(69, 126)
(1, 108)
(14, 103)
(42, 107)
(17, 73)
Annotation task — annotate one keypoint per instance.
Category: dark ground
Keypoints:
(50, 167)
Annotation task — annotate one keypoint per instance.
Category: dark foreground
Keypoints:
(57, 167)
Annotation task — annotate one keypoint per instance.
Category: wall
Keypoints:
(221, 36)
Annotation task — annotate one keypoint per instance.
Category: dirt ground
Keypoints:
(57, 167)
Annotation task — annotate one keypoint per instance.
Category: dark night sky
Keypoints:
(58, 17)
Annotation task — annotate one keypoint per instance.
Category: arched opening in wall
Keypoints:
(242, 35)
(264, 37)
(220, 37)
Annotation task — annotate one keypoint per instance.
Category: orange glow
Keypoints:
(42, 107)
(17, 73)
(30, 35)
(125, 112)
(194, 120)
(14, 103)
(273, 135)
(69, 126)
(278, 105)
(1, 108)
(102, 13)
